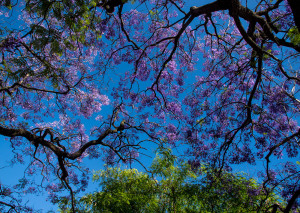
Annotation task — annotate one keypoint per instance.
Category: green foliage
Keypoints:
(174, 188)
(294, 35)
(123, 191)
(126, 190)
(79, 18)
(44, 37)
(228, 192)
(6, 3)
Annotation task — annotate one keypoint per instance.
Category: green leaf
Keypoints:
(7, 4)
(200, 121)
(294, 35)
(55, 48)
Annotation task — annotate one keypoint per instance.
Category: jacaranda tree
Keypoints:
(219, 79)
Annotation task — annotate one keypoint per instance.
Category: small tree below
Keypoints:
(174, 186)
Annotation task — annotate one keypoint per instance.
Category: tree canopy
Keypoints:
(103, 79)
(173, 187)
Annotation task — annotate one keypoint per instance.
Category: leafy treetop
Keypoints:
(173, 188)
